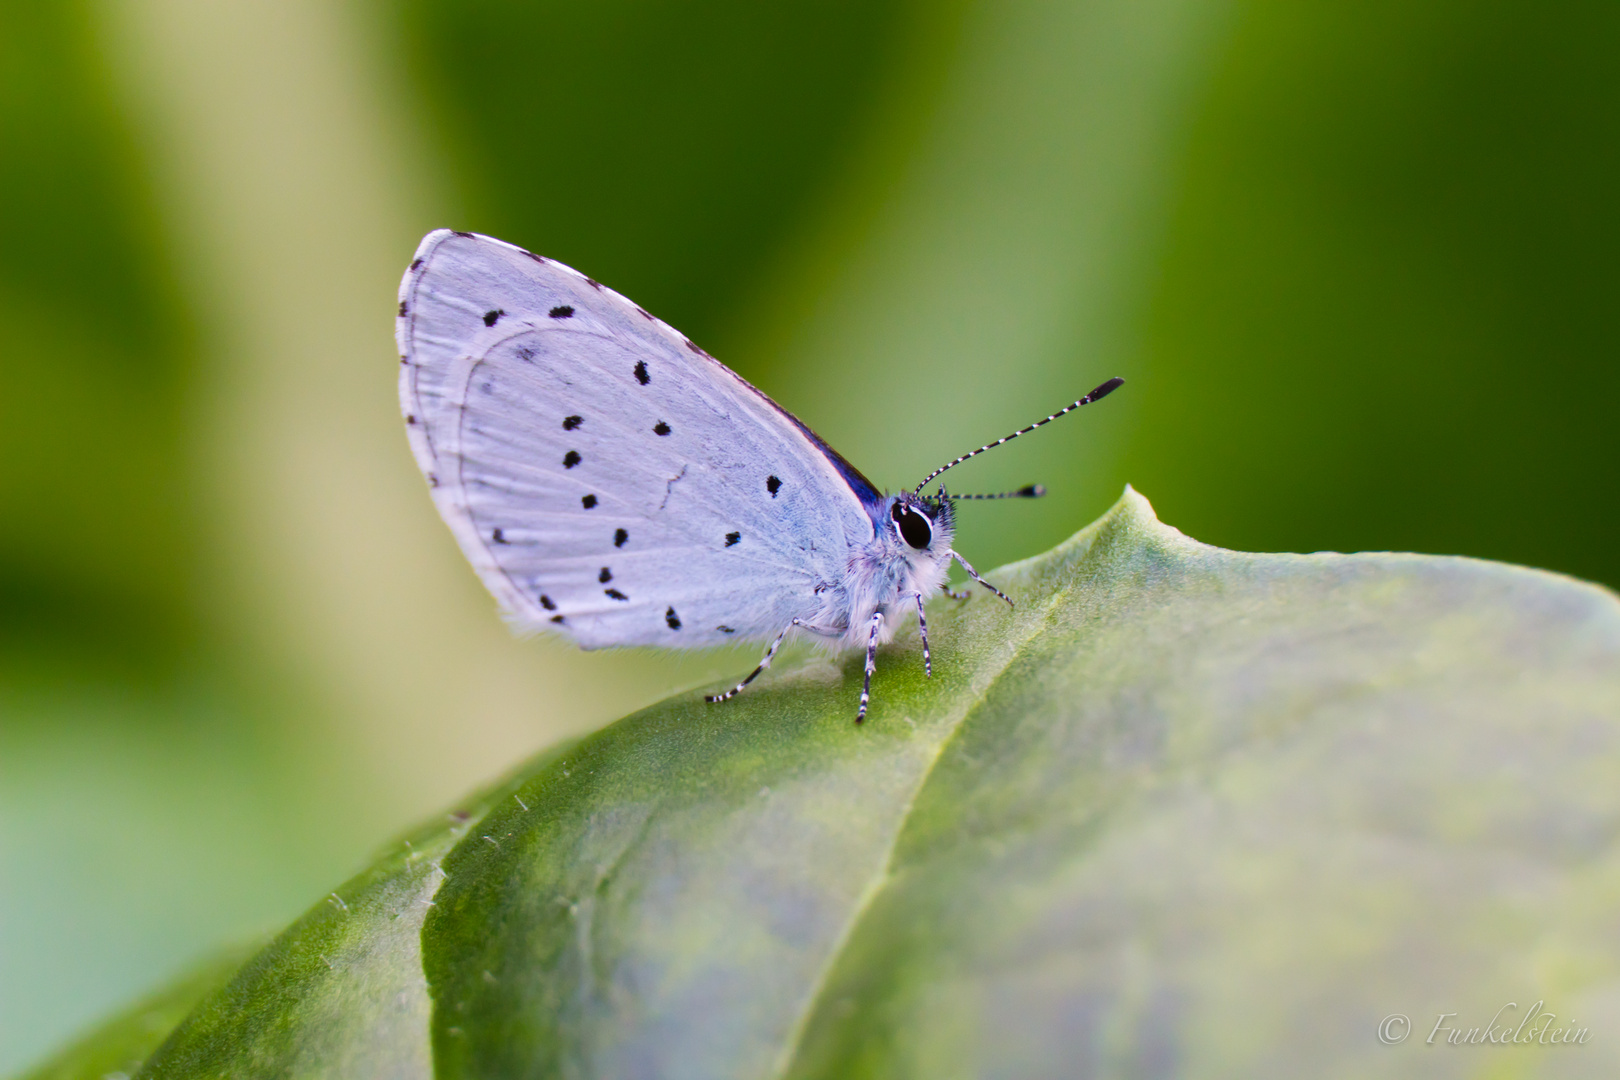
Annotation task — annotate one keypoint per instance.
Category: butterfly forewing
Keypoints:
(604, 477)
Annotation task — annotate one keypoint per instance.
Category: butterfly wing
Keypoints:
(606, 478)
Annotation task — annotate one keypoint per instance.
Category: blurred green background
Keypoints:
(1357, 261)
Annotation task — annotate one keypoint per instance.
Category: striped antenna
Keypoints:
(1028, 491)
(1096, 395)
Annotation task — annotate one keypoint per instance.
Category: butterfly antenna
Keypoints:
(1096, 395)
(1028, 491)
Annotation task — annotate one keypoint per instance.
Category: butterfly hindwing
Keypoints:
(605, 477)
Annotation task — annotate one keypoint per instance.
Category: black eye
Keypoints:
(914, 528)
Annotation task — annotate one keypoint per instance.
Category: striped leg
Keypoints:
(922, 624)
(974, 574)
(770, 654)
(963, 595)
(871, 665)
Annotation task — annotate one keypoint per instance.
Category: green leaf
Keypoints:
(1184, 811)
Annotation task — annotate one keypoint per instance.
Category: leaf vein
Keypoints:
(886, 874)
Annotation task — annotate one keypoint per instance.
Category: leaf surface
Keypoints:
(1184, 811)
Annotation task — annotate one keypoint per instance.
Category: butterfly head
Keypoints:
(921, 526)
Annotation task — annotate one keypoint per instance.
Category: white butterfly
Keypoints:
(611, 481)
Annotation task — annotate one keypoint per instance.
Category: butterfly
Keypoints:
(612, 482)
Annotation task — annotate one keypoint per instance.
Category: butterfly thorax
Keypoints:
(907, 556)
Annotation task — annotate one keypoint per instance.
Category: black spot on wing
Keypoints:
(661, 428)
(619, 537)
(725, 630)
(641, 373)
(690, 344)
(571, 459)
(402, 309)
(410, 419)
(463, 235)
(732, 538)
(561, 311)
(773, 485)
(545, 602)
(557, 618)
(588, 501)
(597, 285)
(572, 422)
(644, 313)
(672, 619)
(416, 264)
(541, 259)
(605, 576)
(615, 594)
(498, 537)
(490, 317)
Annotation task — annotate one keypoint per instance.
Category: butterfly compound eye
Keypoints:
(914, 528)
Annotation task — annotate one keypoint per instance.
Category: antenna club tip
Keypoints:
(1031, 491)
(1105, 389)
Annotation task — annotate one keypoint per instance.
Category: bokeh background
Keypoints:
(1357, 260)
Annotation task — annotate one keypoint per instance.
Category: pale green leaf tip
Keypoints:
(1131, 516)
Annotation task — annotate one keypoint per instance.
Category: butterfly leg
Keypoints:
(770, 654)
(963, 595)
(871, 664)
(922, 625)
(974, 574)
